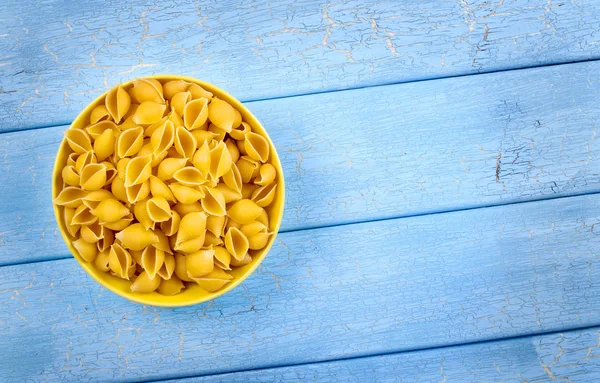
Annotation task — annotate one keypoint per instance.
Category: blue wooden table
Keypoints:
(443, 191)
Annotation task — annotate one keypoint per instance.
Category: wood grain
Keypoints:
(322, 294)
(52, 66)
(413, 149)
(572, 356)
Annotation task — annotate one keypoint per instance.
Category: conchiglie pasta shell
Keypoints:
(233, 150)
(144, 283)
(185, 143)
(233, 179)
(68, 214)
(119, 261)
(221, 114)
(99, 113)
(171, 226)
(237, 121)
(263, 218)
(78, 140)
(240, 132)
(242, 147)
(160, 189)
(180, 267)
(147, 89)
(191, 245)
(152, 260)
(202, 159)
(216, 225)
(168, 268)
(118, 189)
(186, 208)
(93, 177)
(92, 233)
(214, 202)
(198, 92)
(128, 123)
(86, 250)
(72, 159)
(244, 211)
(175, 118)
(214, 281)
(137, 192)
(169, 166)
(163, 138)
(70, 176)
(192, 225)
(258, 241)
(238, 263)
(107, 239)
(171, 88)
(171, 286)
(97, 129)
(257, 147)
(186, 194)
(264, 195)
(130, 142)
(267, 174)
(101, 262)
(229, 194)
(70, 197)
(136, 237)
(158, 209)
(120, 224)
(200, 263)
(149, 131)
(253, 228)
(189, 176)
(148, 113)
(104, 146)
(220, 161)
(84, 160)
(222, 257)
(138, 170)
(163, 242)
(236, 243)
(136, 256)
(140, 210)
(93, 198)
(110, 210)
(83, 216)
(248, 168)
(179, 100)
(117, 103)
(195, 113)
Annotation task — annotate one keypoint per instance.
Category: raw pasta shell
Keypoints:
(163, 138)
(239, 263)
(104, 146)
(99, 113)
(70, 176)
(257, 147)
(138, 170)
(117, 103)
(118, 189)
(229, 194)
(158, 209)
(189, 176)
(236, 243)
(220, 161)
(234, 152)
(70, 197)
(163, 242)
(110, 210)
(152, 260)
(97, 129)
(248, 168)
(200, 263)
(195, 113)
(148, 113)
(68, 214)
(160, 189)
(202, 159)
(171, 88)
(214, 202)
(216, 225)
(240, 132)
(258, 241)
(83, 160)
(237, 121)
(244, 211)
(221, 114)
(192, 225)
(168, 167)
(180, 267)
(147, 89)
(168, 268)
(144, 283)
(266, 175)
(179, 101)
(136, 237)
(120, 224)
(78, 140)
(111, 172)
(101, 261)
(203, 136)
(86, 250)
(214, 281)
(137, 192)
(171, 286)
(93, 177)
(92, 233)
(186, 208)
(83, 216)
(120, 261)
(197, 92)
(107, 239)
(140, 210)
(264, 195)
(233, 178)
(93, 198)
(130, 142)
(185, 143)
(186, 194)
(222, 257)
(171, 227)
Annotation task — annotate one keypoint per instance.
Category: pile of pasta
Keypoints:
(167, 186)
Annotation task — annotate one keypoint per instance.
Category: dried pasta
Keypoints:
(167, 187)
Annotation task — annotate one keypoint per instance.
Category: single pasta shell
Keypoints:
(222, 257)
(171, 88)
(202, 159)
(137, 192)
(70, 197)
(99, 113)
(220, 161)
(136, 237)
(107, 239)
(93, 198)
(189, 176)
(192, 226)
(78, 140)
(92, 233)
(229, 194)
(110, 210)
(168, 268)
(244, 211)
(264, 195)
(168, 167)
(152, 260)
(171, 227)
(162, 138)
(253, 228)
(68, 214)
(140, 211)
(97, 129)
(70, 176)
(240, 132)
(144, 283)
(212, 240)
(236, 243)
(266, 175)
(119, 261)
(191, 245)
(101, 261)
(179, 100)
(200, 263)
(83, 216)
(185, 208)
(214, 281)
(195, 113)
(221, 114)
(120, 224)
(163, 241)
(83, 160)
(180, 267)
(258, 241)
(138, 170)
(147, 89)
(148, 113)
(248, 168)
(130, 142)
(237, 121)
(117, 103)
(233, 150)
(104, 146)
(171, 286)
(198, 92)
(216, 225)
(160, 189)
(158, 209)
(257, 147)
(186, 194)
(118, 189)
(185, 143)
(233, 178)
(246, 260)
(214, 202)
(86, 250)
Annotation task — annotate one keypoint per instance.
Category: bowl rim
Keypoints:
(143, 298)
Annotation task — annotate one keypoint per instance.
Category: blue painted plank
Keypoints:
(321, 294)
(51, 66)
(412, 149)
(572, 356)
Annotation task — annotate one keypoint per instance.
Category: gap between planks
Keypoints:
(375, 85)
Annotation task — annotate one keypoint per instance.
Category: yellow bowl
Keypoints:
(192, 294)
